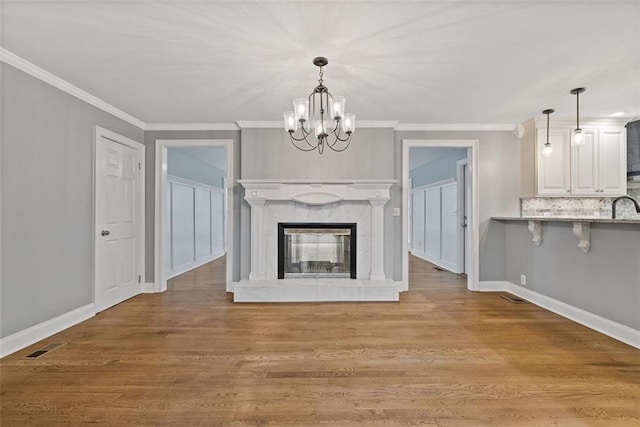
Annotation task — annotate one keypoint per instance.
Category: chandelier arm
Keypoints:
(338, 150)
(337, 135)
(293, 141)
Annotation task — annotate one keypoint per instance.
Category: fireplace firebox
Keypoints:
(307, 250)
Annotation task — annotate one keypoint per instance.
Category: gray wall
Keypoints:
(47, 199)
(605, 281)
(442, 168)
(370, 156)
(499, 175)
(235, 191)
(184, 165)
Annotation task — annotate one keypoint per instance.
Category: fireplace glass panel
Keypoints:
(317, 252)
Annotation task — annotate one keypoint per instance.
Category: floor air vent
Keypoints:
(514, 299)
(44, 350)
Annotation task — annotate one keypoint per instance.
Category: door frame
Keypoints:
(160, 243)
(100, 132)
(472, 157)
(462, 212)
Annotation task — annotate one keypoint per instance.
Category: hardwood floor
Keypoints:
(442, 356)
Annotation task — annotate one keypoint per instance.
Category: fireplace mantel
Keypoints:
(332, 195)
(316, 192)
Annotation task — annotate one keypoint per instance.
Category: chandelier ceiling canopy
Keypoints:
(320, 120)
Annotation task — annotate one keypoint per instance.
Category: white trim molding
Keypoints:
(593, 321)
(22, 339)
(270, 124)
(160, 185)
(148, 288)
(190, 126)
(473, 156)
(55, 81)
(455, 127)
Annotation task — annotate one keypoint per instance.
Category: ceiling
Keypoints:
(411, 61)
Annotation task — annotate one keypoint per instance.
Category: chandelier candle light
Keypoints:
(578, 134)
(547, 150)
(310, 123)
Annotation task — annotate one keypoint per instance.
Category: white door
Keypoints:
(118, 220)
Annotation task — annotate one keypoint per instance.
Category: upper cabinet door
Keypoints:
(612, 153)
(584, 165)
(553, 172)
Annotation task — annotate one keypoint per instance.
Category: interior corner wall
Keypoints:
(498, 189)
(47, 199)
(439, 169)
(370, 156)
(190, 167)
(150, 190)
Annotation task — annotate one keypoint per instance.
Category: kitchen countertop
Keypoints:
(564, 219)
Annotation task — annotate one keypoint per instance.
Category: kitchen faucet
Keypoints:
(613, 205)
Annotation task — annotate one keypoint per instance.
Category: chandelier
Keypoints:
(320, 120)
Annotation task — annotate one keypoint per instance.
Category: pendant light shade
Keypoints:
(578, 134)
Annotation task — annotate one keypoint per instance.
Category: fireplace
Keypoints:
(307, 250)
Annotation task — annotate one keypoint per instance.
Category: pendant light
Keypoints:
(547, 150)
(578, 134)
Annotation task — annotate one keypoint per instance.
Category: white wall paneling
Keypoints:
(195, 226)
(435, 219)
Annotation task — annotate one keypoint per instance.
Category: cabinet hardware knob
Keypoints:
(105, 232)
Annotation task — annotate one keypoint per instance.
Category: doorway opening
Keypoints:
(440, 225)
(193, 219)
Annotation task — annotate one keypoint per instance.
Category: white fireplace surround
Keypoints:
(333, 201)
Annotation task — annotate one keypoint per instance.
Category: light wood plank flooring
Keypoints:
(442, 356)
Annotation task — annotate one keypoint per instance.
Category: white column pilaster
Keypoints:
(377, 237)
(257, 240)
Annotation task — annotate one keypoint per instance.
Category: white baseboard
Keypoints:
(192, 265)
(598, 323)
(497, 286)
(148, 288)
(32, 335)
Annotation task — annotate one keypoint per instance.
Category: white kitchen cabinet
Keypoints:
(596, 168)
(599, 165)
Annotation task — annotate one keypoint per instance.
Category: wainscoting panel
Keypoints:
(196, 224)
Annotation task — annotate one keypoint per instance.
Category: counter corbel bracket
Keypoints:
(582, 231)
(535, 228)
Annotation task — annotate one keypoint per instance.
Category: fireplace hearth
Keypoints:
(308, 250)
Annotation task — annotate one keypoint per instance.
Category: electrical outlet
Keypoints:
(396, 211)
(523, 280)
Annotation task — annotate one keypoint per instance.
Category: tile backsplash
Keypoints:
(581, 207)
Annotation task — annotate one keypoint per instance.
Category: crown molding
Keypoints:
(33, 70)
(455, 127)
(190, 126)
(365, 124)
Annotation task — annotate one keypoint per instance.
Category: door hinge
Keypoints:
(139, 166)
(139, 279)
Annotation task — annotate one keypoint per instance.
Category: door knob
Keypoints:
(105, 232)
